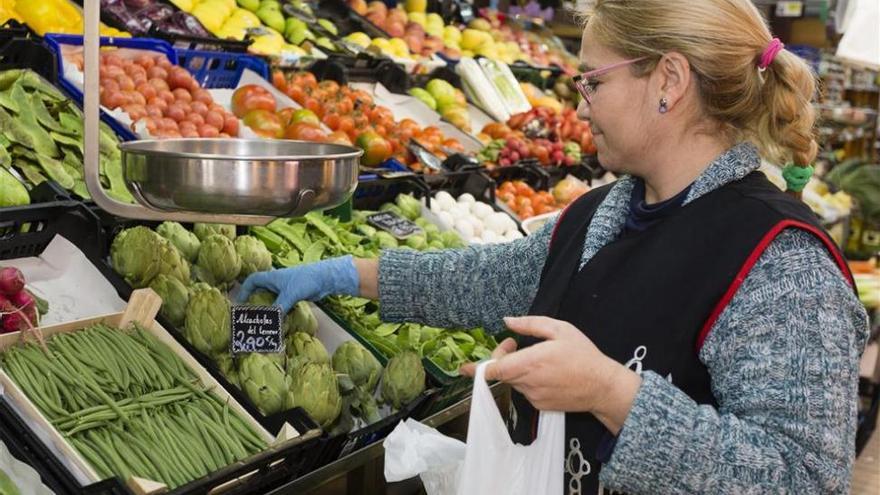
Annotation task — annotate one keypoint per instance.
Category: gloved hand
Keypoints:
(313, 281)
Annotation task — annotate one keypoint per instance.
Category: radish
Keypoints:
(11, 280)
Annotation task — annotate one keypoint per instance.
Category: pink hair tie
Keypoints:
(769, 54)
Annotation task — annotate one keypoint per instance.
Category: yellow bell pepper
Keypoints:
(7, 11)
(56, 16)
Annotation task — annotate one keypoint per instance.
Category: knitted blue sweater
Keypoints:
(783, 356)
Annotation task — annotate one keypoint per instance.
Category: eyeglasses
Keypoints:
(585, 84)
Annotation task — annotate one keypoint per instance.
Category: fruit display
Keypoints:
(538, 98)
(537, 48)
(542, 134)
(161, 99)
(446, 100)
(51, 16)
(20, 309)
(352, 113)
(526, 202)
(867, 277)
(475, 221)
(422, 34)
(262, 21)
(139, 17)
(134, 407)
(42, 139)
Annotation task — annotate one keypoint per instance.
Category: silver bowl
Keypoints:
(232, 176)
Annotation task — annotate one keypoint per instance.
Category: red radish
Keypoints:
(12, 322)
(11, 280)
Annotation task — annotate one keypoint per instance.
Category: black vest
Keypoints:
(649, 298)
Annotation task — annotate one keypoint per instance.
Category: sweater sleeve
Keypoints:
(784, 359)
(463, 288)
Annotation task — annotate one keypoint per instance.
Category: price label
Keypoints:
(256, 329)
(789, 9)
(400, 228)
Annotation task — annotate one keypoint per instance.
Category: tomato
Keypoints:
(305, 131)
(339, 137)
(453, 145)
(264, 123)
(252, 97)
(330, 87)
(315, 106)
(285, 114)
(331, 120)
(523, 189)
(376, 148)
(296, 94)
(305, 115)
(380, 130)
(278, 80)
(346, 124)
(344, 106)
(308, 79)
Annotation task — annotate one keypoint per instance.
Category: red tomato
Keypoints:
(305, 131)
(376, 148)
(264, 123)
(339, 137)
(252, 97)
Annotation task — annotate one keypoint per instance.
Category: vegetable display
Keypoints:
(41, 138)
(526, 202)
(159, 98)
(20, 309)
(352, 113)
(130, 406)
(476, 222)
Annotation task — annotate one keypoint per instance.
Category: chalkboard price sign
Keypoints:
(256, 329)
(399, 227)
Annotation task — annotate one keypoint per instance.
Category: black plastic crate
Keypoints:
(363, 67)
(528, 171)
(24, 445)
(18, 51)
(475, 182)
(27, 230)
(347, 20)
(189, 42)
(375, 190)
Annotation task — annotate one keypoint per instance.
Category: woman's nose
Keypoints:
(583, 110)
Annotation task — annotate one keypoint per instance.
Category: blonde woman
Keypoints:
(696, 324)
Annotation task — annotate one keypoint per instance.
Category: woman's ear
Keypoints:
(674, 76)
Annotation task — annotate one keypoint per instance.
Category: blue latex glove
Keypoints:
(314, 281)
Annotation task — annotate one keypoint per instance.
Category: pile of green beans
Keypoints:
(130, 406)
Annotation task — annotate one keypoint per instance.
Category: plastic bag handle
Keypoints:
(483, 403)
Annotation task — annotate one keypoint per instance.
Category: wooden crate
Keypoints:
(142, 308)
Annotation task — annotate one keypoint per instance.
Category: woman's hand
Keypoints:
(565, 372)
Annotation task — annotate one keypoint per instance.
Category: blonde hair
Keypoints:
(723, 41)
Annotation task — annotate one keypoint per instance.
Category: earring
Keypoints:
(664, 105)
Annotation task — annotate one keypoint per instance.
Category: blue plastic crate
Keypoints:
(215, 70)
(54, 42)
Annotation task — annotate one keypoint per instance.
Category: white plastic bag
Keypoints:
(489, 463)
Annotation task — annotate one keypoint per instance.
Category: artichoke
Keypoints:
(226, 365)
(185, 241)
(136, 254)
(299, 319)
(218, 264)
(302, 348)
(175, 297)
(263, 381)
(404, 379)
(207, 325)
(354, 360)
(172, 263)
(386, 240)
(254, 255)
(313, 387)
(203, 230)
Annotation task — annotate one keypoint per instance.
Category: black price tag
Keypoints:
(256, 329)
(399, 227)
